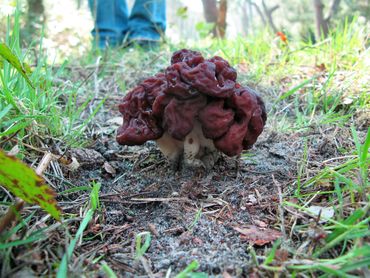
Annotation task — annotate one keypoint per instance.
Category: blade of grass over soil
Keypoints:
(140, 248)
(94, 204)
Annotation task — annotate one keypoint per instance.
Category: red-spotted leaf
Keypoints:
(23, 182)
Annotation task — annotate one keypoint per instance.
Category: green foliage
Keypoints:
(23, 182)
(182, 12)
(32, 237)
(94, 201)
(189, 271)
(204, 29)
(24, 70)
(140, 248)
(31, 104)
(196, 219)
(108, 271)
(363, 153)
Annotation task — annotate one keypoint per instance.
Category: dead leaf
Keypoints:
(225, 274)
(73, 165)
(109, 168)
(320, 67)
(153, 229)
(252, 199)
(325, 213)
(260, 223)
(14, 151)
(115, 121)
(347, 101)
(87, 156)
(281, 255)
(257, 236)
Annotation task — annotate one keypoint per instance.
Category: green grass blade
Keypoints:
(141, 249)
(5, 111)
(7, 54)
(63, 267)
(194, 265)
(108, 271)
(355, 216)
(295, 89)
(269, 259)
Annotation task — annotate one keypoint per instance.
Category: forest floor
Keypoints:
(285, 207)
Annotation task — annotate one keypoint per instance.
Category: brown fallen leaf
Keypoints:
(225, 274)
(281, 255)
(73, 165)
(109, 169)
(260, 223)
(320, 67)
(14, 151)
(257, 236)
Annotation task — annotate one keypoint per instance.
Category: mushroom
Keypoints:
(194, 110)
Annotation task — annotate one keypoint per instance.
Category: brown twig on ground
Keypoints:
(150, 200)
(280, 208)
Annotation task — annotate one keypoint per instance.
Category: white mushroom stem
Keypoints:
(171, 148)
(196, 150)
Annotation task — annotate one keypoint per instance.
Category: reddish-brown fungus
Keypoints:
(194, 95)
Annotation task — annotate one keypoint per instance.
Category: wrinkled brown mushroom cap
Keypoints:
(193, 89)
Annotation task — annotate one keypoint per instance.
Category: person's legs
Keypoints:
(110, 20)
(147, 21)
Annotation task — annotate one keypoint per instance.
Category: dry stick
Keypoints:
(149, 200)
(281, 210)
(237, 165)
(15, 209)
(146, 266)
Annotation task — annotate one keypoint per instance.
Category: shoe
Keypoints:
(146, 45)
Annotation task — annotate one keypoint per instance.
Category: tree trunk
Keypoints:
(245, 18)
(268, 13)
(322, 27)
(221, 20)
(322, 24)
(34, 20)
(210, 13)
(258, 10)
(210, 10)
(216, 15)
(333, 10)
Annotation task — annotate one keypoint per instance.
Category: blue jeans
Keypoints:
(113, 24)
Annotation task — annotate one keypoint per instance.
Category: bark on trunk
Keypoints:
(221, 20)
(34, 20)
(268, 13)
(216, 15)
(321, 24)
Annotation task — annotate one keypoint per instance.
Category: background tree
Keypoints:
(215, 12)
(34, 20)
(322, 23)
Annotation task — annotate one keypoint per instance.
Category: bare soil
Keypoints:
(191, 214)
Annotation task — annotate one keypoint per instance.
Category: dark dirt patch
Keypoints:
(191, 213)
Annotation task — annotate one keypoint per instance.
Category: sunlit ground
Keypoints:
(68, 27)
